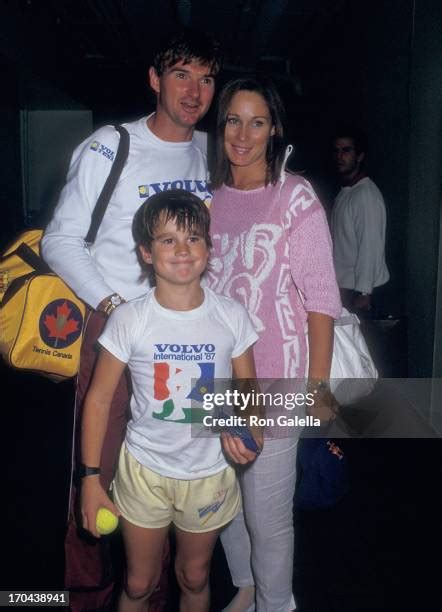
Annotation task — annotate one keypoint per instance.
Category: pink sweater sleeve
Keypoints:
(311, 263)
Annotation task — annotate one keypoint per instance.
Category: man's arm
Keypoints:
(98, 400)
(368, 211)
(63, 246)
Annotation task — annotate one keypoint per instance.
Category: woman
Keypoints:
(271, 245)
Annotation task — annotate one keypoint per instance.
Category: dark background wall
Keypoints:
(10, 163)
(425, 183)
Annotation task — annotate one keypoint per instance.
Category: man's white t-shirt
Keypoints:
(153, 165)
(358, 226)
(174, 358)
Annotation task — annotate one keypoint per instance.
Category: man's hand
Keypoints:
(362, 301)
(325, 406)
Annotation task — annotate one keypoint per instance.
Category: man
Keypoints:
(358, 225)
(163, 155)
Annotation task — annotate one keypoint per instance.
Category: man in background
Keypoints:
(358, 224)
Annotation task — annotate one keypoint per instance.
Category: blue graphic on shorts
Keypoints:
(206, 512)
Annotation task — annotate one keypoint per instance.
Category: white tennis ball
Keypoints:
(106, 521)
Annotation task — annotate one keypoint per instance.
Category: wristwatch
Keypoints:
(318, 386)
(111, 303)
(86, 470)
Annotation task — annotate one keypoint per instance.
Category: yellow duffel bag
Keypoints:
(41, 319)
(12, 264)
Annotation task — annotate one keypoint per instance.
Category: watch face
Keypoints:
(115, 300)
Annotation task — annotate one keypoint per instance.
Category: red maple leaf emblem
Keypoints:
(61, 326)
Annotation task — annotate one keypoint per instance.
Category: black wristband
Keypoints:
(86, 470)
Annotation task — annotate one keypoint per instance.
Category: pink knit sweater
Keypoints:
(267, 242)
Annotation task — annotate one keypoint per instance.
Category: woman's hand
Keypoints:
(235, 449)
(93, 497)
(325, 406)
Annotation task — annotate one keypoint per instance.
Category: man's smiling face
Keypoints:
(185, 92)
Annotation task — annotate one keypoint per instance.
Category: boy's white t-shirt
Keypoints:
(174, 358)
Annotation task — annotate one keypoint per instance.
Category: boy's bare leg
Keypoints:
(192, 566)
(144, 549)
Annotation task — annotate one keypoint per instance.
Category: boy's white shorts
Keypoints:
(149, 500)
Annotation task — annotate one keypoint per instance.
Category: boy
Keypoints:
(177, 332)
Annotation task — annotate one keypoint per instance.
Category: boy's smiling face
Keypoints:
(178, 256)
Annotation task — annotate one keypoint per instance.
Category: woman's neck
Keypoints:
(248, 178)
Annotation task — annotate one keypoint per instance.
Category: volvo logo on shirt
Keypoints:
(198, 187)
(100, 148)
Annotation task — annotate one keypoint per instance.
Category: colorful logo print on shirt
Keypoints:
(100, 148)
(171, 386)
(60, 323)
(143, 191)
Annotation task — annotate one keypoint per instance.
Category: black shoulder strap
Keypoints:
(33, 260)
(110, 184)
